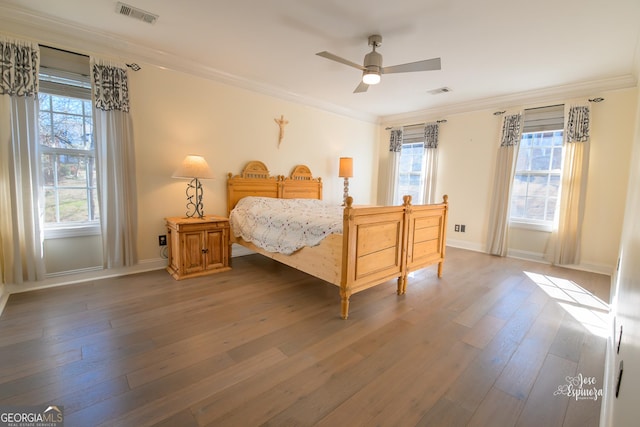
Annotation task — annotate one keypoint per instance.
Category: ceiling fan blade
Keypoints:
(336, 58)
(426, 65)
(362, 87)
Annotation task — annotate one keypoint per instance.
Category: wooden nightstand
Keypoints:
(197, 247)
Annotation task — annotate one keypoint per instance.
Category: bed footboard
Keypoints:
(426, 236)
(372, 251)
(383, 243)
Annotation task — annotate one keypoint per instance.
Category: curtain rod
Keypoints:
(418, 124)
(497, 113)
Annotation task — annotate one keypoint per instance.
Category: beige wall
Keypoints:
(176, 114)
(467, 155)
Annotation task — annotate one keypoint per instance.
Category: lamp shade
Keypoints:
(193, 167)
(346, 167)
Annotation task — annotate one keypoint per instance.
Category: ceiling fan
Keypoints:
(373, 69)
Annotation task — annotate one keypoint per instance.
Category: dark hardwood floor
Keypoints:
(489, 344)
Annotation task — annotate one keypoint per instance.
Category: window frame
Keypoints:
(69, 85)
(531, 223)
(397, 197)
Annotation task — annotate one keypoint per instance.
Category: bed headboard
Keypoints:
(255, 180)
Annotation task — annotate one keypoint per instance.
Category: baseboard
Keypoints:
(461, 244)
(84, 275)
(527, 256)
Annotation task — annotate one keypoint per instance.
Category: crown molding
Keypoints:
(71, 36)
(540, 96)
(66, 35)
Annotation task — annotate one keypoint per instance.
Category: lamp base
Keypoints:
(195, 208)
(346, 191)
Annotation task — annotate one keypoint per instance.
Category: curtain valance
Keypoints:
(110, 87)
(431, 135)
(511, 130)
(578, 124)
(416, 133)
(19, 64)
(395, 140)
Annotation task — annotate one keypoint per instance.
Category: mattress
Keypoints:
(284, 225)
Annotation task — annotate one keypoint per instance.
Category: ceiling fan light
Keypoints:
(371, 78)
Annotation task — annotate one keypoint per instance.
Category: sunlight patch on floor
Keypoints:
(585, 307)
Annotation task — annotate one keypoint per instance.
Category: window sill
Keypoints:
(533, 226)
(72, 231)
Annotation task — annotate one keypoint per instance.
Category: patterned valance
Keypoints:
(511, 130)
(110, 87)
(395, 140)
(19, 64)
(431, 136)
(578, 124)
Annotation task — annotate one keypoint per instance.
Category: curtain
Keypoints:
(575, 169)
(431, 162)
(21, 251)
(395, 146)
(505, 169)
(115, 163)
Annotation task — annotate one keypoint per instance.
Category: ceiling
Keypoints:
(492, 51)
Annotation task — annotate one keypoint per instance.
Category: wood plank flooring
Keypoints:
(486, 345)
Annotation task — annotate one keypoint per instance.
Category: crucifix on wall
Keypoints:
(281, 124)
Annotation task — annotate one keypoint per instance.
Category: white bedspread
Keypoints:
(284, 225)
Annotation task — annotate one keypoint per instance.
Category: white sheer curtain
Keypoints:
(431, 162)
(115, 163)
(21, 253)
(395, 146)
(575, 169)
(505, 169)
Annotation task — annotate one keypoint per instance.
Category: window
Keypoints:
(411, 167)
(411, 173)
(536, 185)
(67, 150)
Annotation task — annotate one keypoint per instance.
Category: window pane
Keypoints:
(538, 186)
(535, 208)
(50, 204)
(536, 183)
(540, 159)
(73, 205)
(551, 208)
(518, 207)
(556, 160)
(554, 186)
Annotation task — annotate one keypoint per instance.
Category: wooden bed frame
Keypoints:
(378, 243)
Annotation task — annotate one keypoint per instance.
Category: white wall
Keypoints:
(623, 411)
(468, 149)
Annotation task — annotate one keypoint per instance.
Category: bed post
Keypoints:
(445, 201)
(402, 280)
(347, 267)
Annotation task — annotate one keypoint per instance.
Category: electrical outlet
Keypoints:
(162, 240)
(462, 228)
(456, 228)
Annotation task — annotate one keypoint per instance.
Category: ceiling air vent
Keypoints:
(134, 12)
(440, 90)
